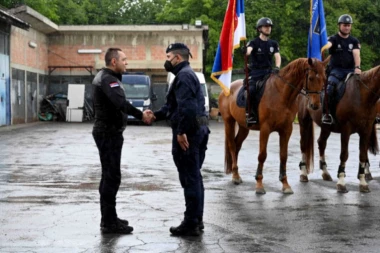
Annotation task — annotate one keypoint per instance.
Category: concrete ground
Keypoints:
(49, 174)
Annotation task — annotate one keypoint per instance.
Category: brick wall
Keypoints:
(22, 54)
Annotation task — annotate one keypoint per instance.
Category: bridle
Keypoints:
(305, 90)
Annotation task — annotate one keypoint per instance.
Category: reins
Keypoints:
(304, 90)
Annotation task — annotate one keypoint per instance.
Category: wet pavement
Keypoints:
(49, 174)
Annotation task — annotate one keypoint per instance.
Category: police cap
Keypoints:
(177, 46)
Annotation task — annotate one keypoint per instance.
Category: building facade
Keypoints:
(44, 57)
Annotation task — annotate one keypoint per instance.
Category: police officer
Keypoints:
(185, 109)
(111, 109)
(262, 50)
(345, 58)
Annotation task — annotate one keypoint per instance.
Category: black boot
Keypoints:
(327, 117)
(201, 225)
(252, 119)
(124, 222)
(117, 227)
(185, 229)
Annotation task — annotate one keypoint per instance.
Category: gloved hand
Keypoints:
(275, 70)
(244, 50)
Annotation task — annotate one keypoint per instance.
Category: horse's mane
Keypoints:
(369, 74)
(296, 66)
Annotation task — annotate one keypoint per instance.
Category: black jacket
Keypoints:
(110, 105)
(184, 101)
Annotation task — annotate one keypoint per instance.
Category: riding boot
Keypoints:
(327, 118)
(251, 117)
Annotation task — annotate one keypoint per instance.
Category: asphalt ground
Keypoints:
(49, 175)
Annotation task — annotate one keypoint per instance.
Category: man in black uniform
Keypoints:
(262, 49)
(345, 58)
(185, 109)
(111, 109)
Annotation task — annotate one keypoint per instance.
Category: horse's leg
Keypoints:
(322, 140)
(363, 158)
(307, 145)
(367, 172)
(264, 135)
(284, 140)
(344, 140)
(240, 137)
(230, 150)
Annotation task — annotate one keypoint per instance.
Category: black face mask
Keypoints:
(168, 65)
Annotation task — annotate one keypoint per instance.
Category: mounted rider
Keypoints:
(345, 58)
(262, 50)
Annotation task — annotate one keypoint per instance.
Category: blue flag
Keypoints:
(317, 40)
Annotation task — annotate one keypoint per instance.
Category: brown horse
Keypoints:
(355, 113)
(277, 110)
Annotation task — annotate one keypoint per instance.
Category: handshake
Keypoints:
(148, 117)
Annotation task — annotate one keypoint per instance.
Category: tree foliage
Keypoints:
(291, 20)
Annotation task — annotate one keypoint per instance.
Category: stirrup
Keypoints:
(249, 120)
(327, 119)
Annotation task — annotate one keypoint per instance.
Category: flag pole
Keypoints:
(246, 79)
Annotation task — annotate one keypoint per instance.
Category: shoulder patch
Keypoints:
(114, 84)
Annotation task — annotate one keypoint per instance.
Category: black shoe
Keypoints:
(327, 119)
(116, 228)
(124, 222)
(201, 225)
(185, 230)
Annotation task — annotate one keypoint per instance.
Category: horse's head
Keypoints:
(315, 79)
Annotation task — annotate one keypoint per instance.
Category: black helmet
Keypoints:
(263, 21)
(345, 19)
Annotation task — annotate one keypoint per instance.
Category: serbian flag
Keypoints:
(233, 31)
(317, 40)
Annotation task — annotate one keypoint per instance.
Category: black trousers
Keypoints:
(189, 164)
(109, 146)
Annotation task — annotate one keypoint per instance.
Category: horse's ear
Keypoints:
(310, 61)
(326, 61)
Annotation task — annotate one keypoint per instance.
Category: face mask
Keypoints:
(168, 65)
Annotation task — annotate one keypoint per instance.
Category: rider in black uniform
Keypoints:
(345, 58)
(261, 49)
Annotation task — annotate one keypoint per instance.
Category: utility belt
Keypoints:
(200, 121)
(260, 67)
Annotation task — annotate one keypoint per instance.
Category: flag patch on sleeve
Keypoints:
(114, 84)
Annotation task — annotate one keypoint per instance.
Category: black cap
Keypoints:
(177, 46)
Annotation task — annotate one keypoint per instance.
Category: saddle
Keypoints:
(241, 99)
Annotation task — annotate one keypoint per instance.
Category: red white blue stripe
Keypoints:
(233, 31)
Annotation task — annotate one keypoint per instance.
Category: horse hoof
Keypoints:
(326, 177)
(341, 188)
(260, 191)
(368, 177)
(364, 188)
(304, 178)
(237, 181)
(287, 190)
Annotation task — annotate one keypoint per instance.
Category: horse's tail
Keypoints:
(373, 144)
(308, 144)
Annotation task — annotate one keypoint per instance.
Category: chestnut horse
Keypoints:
(355, 113)
(277, 110)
